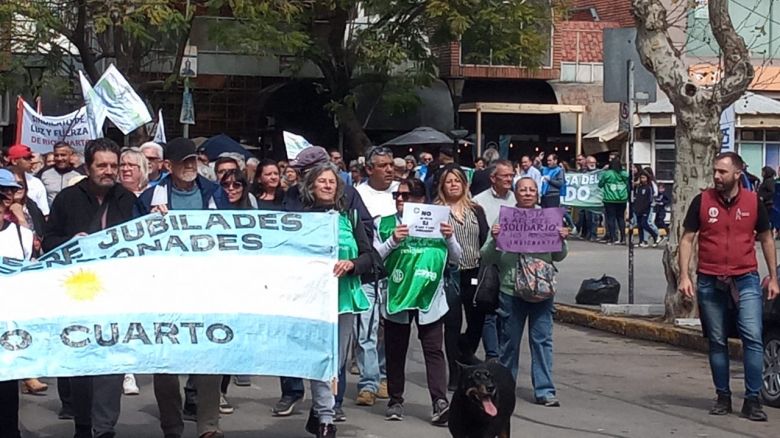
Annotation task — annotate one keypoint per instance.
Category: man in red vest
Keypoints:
(729, 219)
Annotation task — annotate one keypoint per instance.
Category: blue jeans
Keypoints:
(370, 352)
(490, 337)
(292, 387)
(714, 303)
(514, 312)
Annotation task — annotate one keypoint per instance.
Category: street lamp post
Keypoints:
(456, 84)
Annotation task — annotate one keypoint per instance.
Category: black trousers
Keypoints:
(9, 409)
(460, 298)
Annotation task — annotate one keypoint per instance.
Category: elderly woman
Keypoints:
(423, 302)
(471, 230)
(323, 190)
(134, 170)
(514, 310)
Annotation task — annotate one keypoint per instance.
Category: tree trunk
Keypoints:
(697, 138)
(355, 138)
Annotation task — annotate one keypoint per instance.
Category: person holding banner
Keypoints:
(26, 213)
(94, 204)
(471, 230)
(323, 190)
(236, 186)
(15, 242)
(514, 310)
(415, 298)
(154, 155)
(134, 171)
(184, 189)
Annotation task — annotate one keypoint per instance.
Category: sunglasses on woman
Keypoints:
(406, 195)
(232, 185)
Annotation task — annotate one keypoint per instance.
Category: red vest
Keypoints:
(727, 234)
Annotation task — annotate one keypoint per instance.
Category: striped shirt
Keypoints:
(467, 235)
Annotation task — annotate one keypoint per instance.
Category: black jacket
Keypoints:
(643, 199)
(766, 191)
(76, 210)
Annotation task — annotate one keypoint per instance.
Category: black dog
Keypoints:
(483, 404)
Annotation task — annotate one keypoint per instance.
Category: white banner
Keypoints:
(294, 144)
(41, 132)
(424, 220)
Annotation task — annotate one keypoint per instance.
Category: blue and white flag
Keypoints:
(195, 292)
(294, 144)
(159, 132)
(113, 97)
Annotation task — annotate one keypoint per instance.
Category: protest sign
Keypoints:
(150, 296)
(41, 132)
(424, 220)
(159, 131)
(582, 190)
(530, 230)
(294, 144)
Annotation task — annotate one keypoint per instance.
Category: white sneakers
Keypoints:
(129, 386)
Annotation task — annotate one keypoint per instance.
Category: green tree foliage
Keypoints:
(382, 47)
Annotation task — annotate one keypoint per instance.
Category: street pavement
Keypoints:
(608, 386)
(592, 260)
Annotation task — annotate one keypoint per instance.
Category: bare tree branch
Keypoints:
(737, 70)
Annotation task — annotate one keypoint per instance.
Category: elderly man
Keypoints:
(154, 155)
(56, 178)
(184, 189)
(93, 204)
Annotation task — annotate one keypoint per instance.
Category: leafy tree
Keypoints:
(698, 108)
(380, 45)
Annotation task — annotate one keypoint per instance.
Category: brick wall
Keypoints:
(581, 41)
(618, 11)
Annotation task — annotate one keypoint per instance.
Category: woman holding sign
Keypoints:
(521, 299)
(471, 229)
(323, 190)
(415, 292)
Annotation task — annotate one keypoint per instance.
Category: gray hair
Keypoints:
(142, 162)
(307, 185)
(152, 145)
(253, 162)
(491, 156)
(238, 158)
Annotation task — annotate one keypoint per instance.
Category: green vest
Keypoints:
(352, 299)
(415, 269)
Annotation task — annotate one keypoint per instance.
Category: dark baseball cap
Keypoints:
(180, 149)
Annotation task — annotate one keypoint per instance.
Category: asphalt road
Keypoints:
(608, 386)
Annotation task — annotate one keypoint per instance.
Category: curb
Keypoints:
(647, 329)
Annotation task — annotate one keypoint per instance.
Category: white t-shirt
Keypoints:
(10, 245)
(37, 192)
(379, 203)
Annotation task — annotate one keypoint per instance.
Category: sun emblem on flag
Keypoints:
(83, 285)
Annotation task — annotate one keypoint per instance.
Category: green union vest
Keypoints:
(352, 299)
(415, 269)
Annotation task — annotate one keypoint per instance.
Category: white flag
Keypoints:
(96, 113)
(294, 144)
(122, 105)
(159, 133)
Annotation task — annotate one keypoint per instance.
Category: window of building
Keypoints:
(665, 157)
(587, 72)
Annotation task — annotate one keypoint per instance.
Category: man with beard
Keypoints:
(94, 204)
(56, 178)
(184, 189)
(729, 219)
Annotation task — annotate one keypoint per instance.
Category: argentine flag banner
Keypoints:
(191, 292)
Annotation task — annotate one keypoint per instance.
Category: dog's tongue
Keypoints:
(489, 407)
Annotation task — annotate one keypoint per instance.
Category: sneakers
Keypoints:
(326, 431)
(722, 405)
(189, 413)
(338, 415)
(549, 402)
(751, 410)
(285, 406)
(129, 387)
(225, 407)
(644, 245)
(441, 412)
(395, 412)
(365, 398)
(381, 393)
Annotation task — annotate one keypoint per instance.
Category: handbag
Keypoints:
(535, 279)
(488, 288)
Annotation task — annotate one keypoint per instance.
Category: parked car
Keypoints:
(771, 389)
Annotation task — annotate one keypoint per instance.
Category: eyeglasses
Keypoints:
(232, 185)
(126, 165)
(406, 195)
(379, 150)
